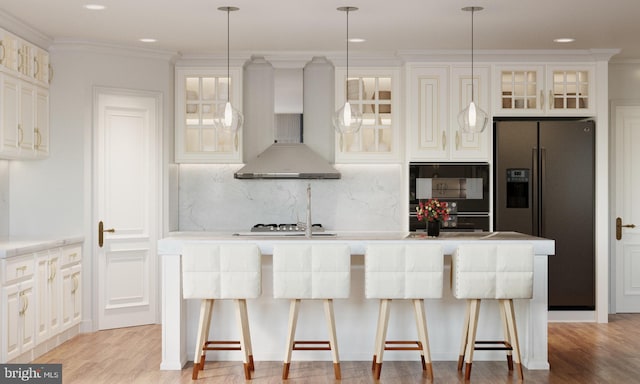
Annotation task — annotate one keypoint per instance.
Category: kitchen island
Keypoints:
(355, 317)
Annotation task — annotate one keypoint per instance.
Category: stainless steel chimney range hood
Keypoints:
(288, 161)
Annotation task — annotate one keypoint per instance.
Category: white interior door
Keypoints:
(627, 208)
(127, 195)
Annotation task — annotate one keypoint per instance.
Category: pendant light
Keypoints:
(472, 119)
(229, 119)
(347, 119)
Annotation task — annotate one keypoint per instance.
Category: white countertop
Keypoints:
(357, 240)
(13, 246)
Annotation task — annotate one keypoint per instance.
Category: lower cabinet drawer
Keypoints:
(16, 268)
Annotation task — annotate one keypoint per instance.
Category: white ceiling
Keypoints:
(196, 26)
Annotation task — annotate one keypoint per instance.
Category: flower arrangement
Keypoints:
(433, 210)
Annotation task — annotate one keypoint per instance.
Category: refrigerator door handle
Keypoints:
(543, 185)
(534, 192)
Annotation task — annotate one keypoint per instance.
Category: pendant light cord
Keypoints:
(347, 48)
(228, 71)
(472, 80)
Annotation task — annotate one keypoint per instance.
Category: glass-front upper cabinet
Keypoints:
(375, 93)
(560, 90)
(200, 95)
(570, 89)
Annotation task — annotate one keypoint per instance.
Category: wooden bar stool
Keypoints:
(311, 271)
(490, 271)
(411, 272)
(229, 271)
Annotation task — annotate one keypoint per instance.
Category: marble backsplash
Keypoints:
(367, 197)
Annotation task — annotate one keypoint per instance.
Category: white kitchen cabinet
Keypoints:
(436, 95)
(17, 307)
(41, 127)
(9, 116)
(40, 300)
(428, 109)
(8, 52)
(544, 90)
(200, 93)
(375, 92)
(25, 119)
(71, 300)
(24, 99)
(71, 286)
(48, 293)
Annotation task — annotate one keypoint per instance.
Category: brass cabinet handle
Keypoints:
(4, 51)
(541, 105)
(20, 135)
(551, 99)
(101, 232)
(25, 303)
(54, 269)
(457, 140)
(75, 282)
(444, 140)
(619, 227)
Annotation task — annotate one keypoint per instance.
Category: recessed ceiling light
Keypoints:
(95, 7)
(357, 40)
(564, 40)
(148, 40)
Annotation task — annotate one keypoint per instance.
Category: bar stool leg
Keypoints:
(245, 341)
(507, 334)
(378, 337)
(293, 320)
(465, 336)
(385, 305)
(515, 344)
(421, 322)
(331, 325)
(247, 335)
(471, 340)
(206, 306)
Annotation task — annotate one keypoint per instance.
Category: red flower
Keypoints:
(433, 210)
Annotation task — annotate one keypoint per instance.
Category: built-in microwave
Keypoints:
(464, 186)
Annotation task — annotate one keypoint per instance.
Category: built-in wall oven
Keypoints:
(464, 186)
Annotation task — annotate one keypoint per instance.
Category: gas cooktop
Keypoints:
(285, 228)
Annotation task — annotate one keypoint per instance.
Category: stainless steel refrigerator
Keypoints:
(544, 186)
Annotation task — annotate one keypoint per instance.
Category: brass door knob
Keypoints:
(101, 232)
(619, 227)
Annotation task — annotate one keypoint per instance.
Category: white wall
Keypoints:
(624, 81)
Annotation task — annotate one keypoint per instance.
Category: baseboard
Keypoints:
(572, 316)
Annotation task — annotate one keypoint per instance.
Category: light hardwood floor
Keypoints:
(578, 353)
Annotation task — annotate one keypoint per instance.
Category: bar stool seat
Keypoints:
(311, 271)
(501, 272)
(411, 272)
(211, 272)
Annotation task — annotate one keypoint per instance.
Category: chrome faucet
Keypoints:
(307, 228)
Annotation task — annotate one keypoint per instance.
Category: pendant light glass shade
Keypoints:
(228, 118)
(348, 118)
(472, 119)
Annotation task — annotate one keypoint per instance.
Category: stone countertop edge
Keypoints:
(16, 246)
(172, 244)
